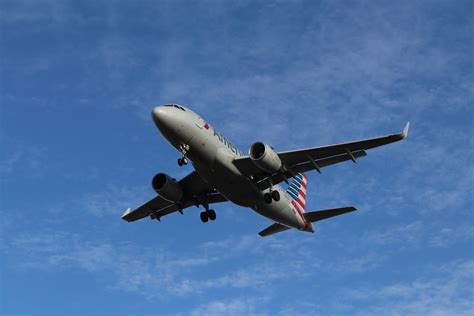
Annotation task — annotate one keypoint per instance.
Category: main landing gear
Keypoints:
(271, 196)
(207, 214)
(184, 151)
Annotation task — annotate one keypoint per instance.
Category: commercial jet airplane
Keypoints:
(224, 173)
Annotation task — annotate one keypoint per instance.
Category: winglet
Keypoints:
(128, 211)
(405, 130)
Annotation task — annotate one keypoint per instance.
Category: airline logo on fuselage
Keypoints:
(228, 144)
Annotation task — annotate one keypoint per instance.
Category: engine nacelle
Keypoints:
(264, 157)
(167, 187)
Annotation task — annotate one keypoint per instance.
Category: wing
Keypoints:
(195, 190)
(273, 229)
(314, 158)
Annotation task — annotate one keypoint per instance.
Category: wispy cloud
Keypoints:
(113, 199)
(237, 306)
(22, 157)
(436, 291)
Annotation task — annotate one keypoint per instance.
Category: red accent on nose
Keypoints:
(206, 126)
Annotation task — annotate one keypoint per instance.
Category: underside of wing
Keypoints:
(303, 160)
(195, 192)
(296, 156)
(157, 203)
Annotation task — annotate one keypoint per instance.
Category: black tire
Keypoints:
(180, 162)
(268, 198)
(276, 196)
(212, 215)
(204, 217)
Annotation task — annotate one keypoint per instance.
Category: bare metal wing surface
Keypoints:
(195, 191)
(296, 161)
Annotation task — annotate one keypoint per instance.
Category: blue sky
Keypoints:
(78, 146)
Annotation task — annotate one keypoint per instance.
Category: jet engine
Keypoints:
(264, 157)
(167, 187)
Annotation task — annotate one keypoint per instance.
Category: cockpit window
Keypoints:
(176, 106)
(179, 107)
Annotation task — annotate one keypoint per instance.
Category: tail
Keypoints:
(297, 190)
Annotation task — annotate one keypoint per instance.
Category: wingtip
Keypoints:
(127, 211)
(405, 130)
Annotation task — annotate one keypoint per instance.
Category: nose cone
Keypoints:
(159, 115)
(168, 120)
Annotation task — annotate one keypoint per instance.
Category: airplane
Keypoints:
(224, 173)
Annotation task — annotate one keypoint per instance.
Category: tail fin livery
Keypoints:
(297, 190)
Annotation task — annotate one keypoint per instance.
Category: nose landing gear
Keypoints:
(183, 149)
(182, 161)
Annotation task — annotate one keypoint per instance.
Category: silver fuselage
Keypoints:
(212, 156)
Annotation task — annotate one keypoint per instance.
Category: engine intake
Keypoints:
(264, 157)
(167, 187)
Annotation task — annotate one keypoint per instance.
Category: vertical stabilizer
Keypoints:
(297, 190)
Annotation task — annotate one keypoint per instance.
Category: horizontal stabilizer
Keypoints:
(273, 229)
(323, 214)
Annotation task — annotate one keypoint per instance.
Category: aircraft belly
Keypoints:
(222, 175)
(215, 165)
(280, 212)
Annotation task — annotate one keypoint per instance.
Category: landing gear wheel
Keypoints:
(276, 196)
(182, 161)
(211, 214)
(204, 217)
(268, 198)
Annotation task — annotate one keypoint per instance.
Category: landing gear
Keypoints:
(182, 161)
(212, 215)
(184, 151)
(276, 196)
(271, 196)
(208, 215)
(204, 217)
(268, 198)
